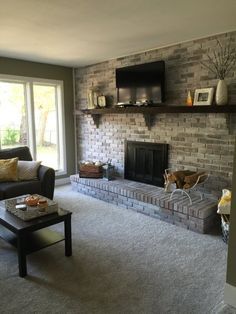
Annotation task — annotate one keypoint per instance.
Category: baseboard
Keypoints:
(62, 181)
(230, 295)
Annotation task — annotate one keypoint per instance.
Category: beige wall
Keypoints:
(47, 71)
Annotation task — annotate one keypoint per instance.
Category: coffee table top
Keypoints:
(16, 224)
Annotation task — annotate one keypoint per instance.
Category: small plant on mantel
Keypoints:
(220, 62)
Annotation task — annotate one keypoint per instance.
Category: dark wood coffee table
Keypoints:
(31, 236)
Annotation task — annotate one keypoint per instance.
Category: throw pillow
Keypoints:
(8, 169)
(28, 170)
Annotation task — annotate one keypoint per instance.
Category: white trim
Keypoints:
(31, 119)
(61, 126)
(230, 295)
(62, 181)
(75, 120)
(60, 173)
(35, 80)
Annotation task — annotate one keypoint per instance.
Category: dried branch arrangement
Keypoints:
(221, 61)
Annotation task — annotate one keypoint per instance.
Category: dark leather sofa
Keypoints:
(43, 186)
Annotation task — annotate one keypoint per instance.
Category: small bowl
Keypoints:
(32, 200)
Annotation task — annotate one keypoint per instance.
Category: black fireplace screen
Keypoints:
(146, 162)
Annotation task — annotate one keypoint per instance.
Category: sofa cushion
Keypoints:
(8, 169)
(28, 170)
(13, 189)
(23, 153)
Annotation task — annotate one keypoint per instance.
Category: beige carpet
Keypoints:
(123, 262)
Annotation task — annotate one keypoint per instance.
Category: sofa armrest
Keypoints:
(46, 176)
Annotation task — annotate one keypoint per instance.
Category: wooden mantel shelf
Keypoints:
(148, 112)
(161, 109)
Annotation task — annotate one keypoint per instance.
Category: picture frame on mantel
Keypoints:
(203, 96)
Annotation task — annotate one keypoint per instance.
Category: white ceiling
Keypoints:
(82, 32)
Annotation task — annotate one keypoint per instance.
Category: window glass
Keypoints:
(46, 125)
(13, 122)
(31, 113)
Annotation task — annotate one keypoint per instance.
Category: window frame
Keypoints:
(28, 83)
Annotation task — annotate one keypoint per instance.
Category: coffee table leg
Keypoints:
(21, 255)
(68, 246)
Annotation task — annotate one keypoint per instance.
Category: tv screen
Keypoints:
(141, 82)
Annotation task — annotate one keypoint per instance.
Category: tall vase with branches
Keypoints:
(220, 62)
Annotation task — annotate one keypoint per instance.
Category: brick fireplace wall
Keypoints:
(196, 141)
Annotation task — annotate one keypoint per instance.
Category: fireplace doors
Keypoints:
(146, 162)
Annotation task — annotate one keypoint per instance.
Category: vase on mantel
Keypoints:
(221, 93)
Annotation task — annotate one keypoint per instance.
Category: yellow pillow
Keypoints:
(8, 169)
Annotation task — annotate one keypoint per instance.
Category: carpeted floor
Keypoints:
(123, 262)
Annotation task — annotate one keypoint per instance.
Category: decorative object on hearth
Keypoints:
(220, 62)
(96, 169)
(91, 170)
(177, 176)
(108, 170)
(169, 185)
(187, 181)
(203, 96)
(189, 100)
(224, 207)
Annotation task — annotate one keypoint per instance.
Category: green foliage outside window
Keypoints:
(11, 136)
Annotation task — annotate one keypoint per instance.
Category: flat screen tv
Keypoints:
(143, 83)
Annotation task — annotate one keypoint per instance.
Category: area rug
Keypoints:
(123, 262)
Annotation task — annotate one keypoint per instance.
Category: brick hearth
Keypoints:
(152, 201)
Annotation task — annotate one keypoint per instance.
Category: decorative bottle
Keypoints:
(189, 101)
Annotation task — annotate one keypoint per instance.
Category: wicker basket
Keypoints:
(90, 168)
(89, 174)
(90, 171)
(225, 227)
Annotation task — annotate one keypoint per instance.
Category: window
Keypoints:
(31, 113)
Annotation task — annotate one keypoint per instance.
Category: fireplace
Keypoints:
(146, 162)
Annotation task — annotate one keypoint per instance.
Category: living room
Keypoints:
(77, 48)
